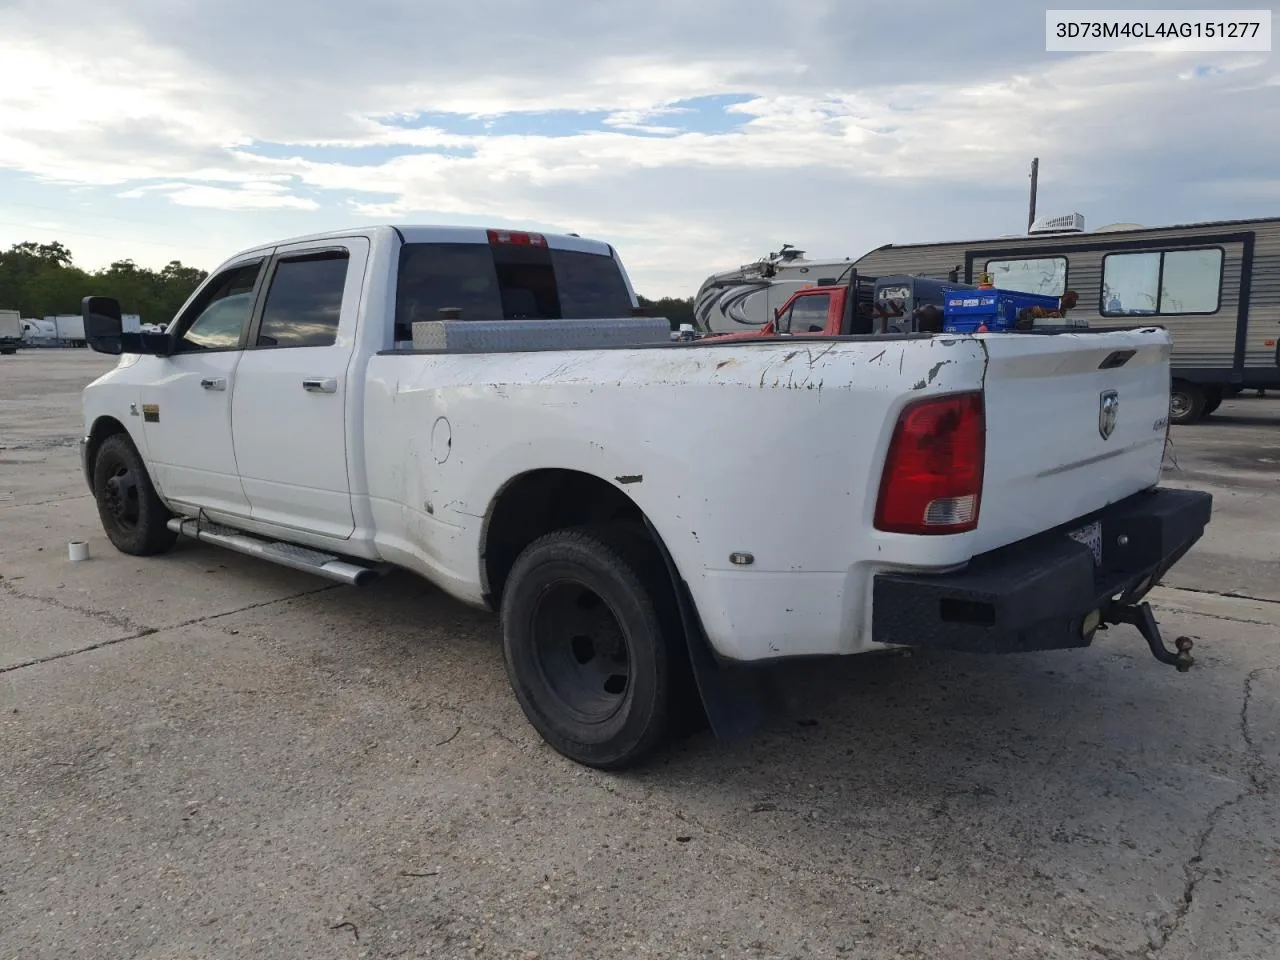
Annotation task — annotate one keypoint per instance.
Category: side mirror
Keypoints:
(104, 330)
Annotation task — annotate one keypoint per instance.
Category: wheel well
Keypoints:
(537, 503)
(102, 428)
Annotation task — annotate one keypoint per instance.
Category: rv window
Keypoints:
(1171, 283)
(1130, 284)
(1044, 275)
(1191, 281)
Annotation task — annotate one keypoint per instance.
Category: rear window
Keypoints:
(590, 285)
(512, 282)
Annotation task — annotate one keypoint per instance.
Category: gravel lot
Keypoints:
(204, 756)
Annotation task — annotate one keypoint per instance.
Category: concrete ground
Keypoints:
(204, 756)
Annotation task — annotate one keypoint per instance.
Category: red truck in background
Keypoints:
(859, 305)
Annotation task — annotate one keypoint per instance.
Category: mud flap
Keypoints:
(734, 698)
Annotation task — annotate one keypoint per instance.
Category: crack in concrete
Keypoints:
(110, 619)
(41, 503)
(1259, 784)
(1219, 616)
(1217, 593)
(79, 650)
(139, 631)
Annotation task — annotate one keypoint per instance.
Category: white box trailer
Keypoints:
(69, 329)
(10, 331)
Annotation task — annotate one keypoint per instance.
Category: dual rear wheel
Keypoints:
(594, 644)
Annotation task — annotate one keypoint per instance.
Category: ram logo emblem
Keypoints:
(1108, 411)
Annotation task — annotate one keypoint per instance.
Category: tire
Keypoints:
(594, 646)
(1213, 400)
(132, 515)
(1186, 402)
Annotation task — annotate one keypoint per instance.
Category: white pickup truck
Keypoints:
(647, 515)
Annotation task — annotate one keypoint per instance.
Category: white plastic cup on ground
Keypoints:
(77, 550)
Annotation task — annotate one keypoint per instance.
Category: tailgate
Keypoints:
(1074, 422)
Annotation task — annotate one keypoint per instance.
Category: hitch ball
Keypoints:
(1184, 660)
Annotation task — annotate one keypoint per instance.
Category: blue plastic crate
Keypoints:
(965, 310)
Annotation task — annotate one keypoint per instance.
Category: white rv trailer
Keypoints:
(1215, 286)
(37, 332)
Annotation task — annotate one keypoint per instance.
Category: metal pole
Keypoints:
(1035, 178)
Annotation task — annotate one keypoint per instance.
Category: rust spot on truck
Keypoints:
(725, 363)
(630, 478)
(933, 375)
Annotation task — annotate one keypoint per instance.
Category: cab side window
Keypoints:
(220, 314)
(805, 314)
(304, 301)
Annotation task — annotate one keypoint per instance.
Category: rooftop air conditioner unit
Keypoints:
(1067, 223)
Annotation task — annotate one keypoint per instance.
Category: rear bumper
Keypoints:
(1047, 592)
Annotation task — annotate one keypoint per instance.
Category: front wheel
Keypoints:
(591, 639)
(132, 514)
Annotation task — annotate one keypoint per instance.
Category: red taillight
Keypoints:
(932, 480)
(497, 237)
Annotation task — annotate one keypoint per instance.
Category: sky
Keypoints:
(694, 137)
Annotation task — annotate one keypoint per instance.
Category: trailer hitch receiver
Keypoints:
(1140, 616)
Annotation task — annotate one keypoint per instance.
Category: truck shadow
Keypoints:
(1097, 743)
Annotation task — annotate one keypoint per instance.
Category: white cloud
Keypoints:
(848, 139)
(259, 195)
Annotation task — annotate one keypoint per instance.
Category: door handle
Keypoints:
(320, 385)
(214, 383)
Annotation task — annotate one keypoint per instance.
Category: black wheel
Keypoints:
(593, 644)
(132, 514)
(1186, 402)
(1213, 400)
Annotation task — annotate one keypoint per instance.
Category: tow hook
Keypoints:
(1140, 616)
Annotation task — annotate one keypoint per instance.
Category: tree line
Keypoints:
(41, 280)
